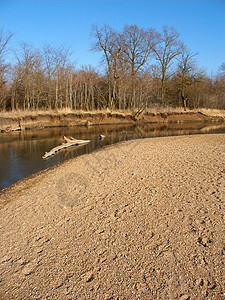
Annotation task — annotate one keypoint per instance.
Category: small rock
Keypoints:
(205, 282)
(185, 297)
(205, 241)
(39, 251)
(99, 231)
(212, 286)
(101, 252)
(205, 293)
(199, 282)
(27, 270)
(59, 284)
(88, 277)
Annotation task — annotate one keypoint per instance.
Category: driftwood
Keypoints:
(140, 111)
(68, 142)
(101, 136)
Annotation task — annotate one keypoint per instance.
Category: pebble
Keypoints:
(205, 282)
(88, 277)
(27, 270)
(185, 297)
(205, 241)
(199, 282)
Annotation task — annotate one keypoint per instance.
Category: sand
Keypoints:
(142, 219)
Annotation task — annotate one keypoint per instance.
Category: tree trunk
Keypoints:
(49, 94)
(92, 98)
(86, 96)
(109, 92)
(163, 88)
(56, 92)
(71, 90)
(13, 99)
(66, 93)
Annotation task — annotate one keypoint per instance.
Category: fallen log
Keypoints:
(68, 142)
(101, 137)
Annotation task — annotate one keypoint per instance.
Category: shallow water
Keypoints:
(21, 152)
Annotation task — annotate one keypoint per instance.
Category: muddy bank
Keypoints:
(138, 220)
(87, 119)
(62, 120)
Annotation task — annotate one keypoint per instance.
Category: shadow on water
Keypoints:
(21, 152)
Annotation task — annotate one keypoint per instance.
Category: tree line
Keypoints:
(141, 68)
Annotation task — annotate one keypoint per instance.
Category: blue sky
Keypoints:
(201, 24)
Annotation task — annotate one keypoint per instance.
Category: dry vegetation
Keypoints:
(213, 112)
(24, 113)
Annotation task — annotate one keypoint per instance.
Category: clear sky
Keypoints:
(201, 24)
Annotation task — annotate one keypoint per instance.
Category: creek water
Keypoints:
(21, 152)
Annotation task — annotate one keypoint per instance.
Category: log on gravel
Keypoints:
(68, 142)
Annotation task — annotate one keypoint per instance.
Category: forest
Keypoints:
(140, 68)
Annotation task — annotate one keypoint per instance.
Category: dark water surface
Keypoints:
(21, 152)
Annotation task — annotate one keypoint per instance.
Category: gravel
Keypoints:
(142, 219)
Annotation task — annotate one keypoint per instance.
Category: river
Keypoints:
(21, 152)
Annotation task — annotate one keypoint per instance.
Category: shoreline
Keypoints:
(43, 171)
(199, 128)
(42, 120)
(142, 218)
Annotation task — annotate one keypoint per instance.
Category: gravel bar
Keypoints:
(142, 219)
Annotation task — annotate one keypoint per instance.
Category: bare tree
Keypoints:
(28, 78)
(139, 66)
(4, 41)
(3, 84)
(186, 72)
(168, 48)
(4, 67)
(108, 41)
(55, 59)
(24, 70)
(68, 78)
(138, 44)
(90, 77)
(49, 63)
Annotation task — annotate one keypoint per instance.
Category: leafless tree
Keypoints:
(56, 59)
(140, 70)
(168, 48)
(4, 41)
(108, 41)
(186, 72)
(24, 72)
(138, 44)
(4, 67)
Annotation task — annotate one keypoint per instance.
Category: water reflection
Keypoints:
(21, 152)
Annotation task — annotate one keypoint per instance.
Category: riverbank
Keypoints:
(37, 120)
(141, 219)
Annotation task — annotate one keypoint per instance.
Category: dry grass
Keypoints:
(24, 113)
(154, 109)
(212, 112)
